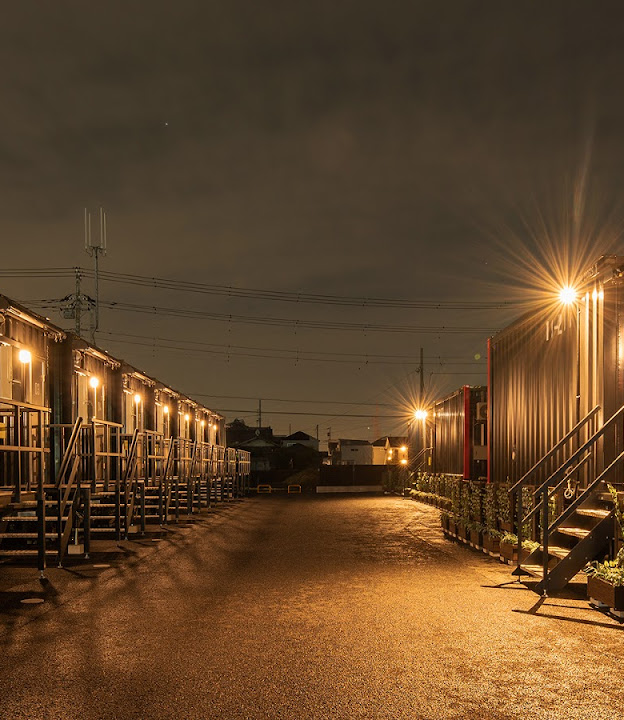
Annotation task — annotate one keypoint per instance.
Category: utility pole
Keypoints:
(421, 370)
(77, 305)
(259, 413)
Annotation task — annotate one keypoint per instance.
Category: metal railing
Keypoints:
(24, 446)
(560, 479)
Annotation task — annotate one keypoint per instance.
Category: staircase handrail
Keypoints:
(585, 446)
(579, 425)
(69, 452)
(553, 491)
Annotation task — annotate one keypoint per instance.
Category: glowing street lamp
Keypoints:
(420, 414)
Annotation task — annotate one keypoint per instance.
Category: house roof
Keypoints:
(392, 440)
(299, 435)
(353, 442)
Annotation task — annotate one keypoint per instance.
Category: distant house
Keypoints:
(271, 452)
(391, 450)
(352, 452)
(301, 438)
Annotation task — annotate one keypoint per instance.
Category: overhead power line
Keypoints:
(281, 322)
(257, 293)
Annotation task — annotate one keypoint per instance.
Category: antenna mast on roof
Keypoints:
(95, 250)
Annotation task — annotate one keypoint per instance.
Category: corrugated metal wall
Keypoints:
(449, 421)
(549, 369)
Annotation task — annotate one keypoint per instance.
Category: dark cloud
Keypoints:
(351, 147)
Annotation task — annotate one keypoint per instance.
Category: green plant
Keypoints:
(476, 519)
(464, 503)
(509, 538)
(609, 570)
(490, 509)
(502, 503)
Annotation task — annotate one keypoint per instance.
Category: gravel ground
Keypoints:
(296, 607)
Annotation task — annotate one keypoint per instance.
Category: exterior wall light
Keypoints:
(137, 398)
(166, 409)
(24, 356)
(567, 295)
(403, 461)
(187, 417)
(420, 414)
(94, 382)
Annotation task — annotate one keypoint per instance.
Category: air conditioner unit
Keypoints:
(482, 412)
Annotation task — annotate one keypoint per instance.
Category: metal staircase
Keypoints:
(571, 517)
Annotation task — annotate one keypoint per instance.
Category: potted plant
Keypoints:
(475, 524)
(463, 519)
(605, 581)
(491, 535)
(503, 507)
(509, 548)
(445, 521)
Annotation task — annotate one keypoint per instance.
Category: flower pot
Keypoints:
(606, 593)
(476, 538)
(491, 544)
(508, 553)
(505, 527)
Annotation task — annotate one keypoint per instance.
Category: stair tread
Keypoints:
(557, 551)
(29, 518)
(30, 553)
(574, 532)
(27, 535)
(593, 512)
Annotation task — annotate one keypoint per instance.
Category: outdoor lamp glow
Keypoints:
(420, 414)
(94, 382)
(24, 356)
(202, 423)
(403, 448)
(166, 409)
(137, 398)
(567, 295)
(187, 417)
(404, 462)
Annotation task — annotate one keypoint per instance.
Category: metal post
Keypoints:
(86, 527)
(41, 528)
(142, 500)
(545, 541)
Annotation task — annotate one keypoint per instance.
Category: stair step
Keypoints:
(102, 517)
(28, 535)
(579, 533)
(102, 529)
(593, 512)
(26, 553)
(28, 518)
(534, 570)
(556, 551)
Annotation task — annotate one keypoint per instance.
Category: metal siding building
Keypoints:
(550, 368)
(458, 434)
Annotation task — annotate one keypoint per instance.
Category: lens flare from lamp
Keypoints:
(567, 295)
(420, 414)
(137, 398)
(187, 417)
(94, 382)
(166, 409)
(24, 356)
(404, 462)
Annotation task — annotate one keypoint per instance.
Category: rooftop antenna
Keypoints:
(95, 250)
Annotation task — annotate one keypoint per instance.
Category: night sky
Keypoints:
(448, 151)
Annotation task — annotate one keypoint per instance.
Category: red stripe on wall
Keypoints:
(489, 405)
(466, 432)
